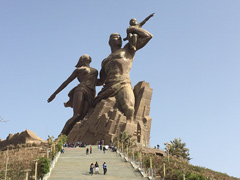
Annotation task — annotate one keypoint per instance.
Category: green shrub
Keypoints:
(197, 168)
(59, 146)
(43, 167)
(61, 140)
(146, 161)
(193, 176)
(1, 175)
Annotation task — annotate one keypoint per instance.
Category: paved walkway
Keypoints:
(74, 164)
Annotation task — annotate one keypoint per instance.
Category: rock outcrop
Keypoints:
(25, 137)
(106, 121)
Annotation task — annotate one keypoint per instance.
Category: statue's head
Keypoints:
(115, 40)
(133, 22)
(84, 60)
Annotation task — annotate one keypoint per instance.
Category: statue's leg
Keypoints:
(69, 125)
(125, 98)
(85, 109)
(130, 39)
(134, 41)
(78, 102)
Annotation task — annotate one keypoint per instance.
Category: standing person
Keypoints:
(90, 149)
(91, 168)
(99, 146)
(104, 168)
(87, 151)
(104, 149)
(96, 168)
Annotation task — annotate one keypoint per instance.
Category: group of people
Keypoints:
(100, 148)
(87, 150)
(75, 144)
(96, 168)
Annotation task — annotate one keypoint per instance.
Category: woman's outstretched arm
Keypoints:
(63, 85)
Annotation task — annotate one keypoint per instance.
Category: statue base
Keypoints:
(105, 121)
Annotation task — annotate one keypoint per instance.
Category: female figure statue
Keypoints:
(80, 97)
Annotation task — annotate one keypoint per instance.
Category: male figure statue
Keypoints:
(114, 74)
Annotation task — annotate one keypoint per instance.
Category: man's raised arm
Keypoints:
(143, 36)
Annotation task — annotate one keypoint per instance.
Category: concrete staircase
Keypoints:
(75, 164)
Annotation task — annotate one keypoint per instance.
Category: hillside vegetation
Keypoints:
(173, 164)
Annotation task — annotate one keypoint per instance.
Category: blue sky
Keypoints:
(192, 64)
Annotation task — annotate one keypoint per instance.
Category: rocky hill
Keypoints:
(25, 137)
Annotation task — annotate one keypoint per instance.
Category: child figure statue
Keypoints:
(131, 37)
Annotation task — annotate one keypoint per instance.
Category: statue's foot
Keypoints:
(66, 104)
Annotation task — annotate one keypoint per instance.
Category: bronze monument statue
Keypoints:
(117, 107)
(80, 97)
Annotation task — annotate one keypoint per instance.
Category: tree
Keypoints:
(125, 139)
(50, 140)
(178, 149)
